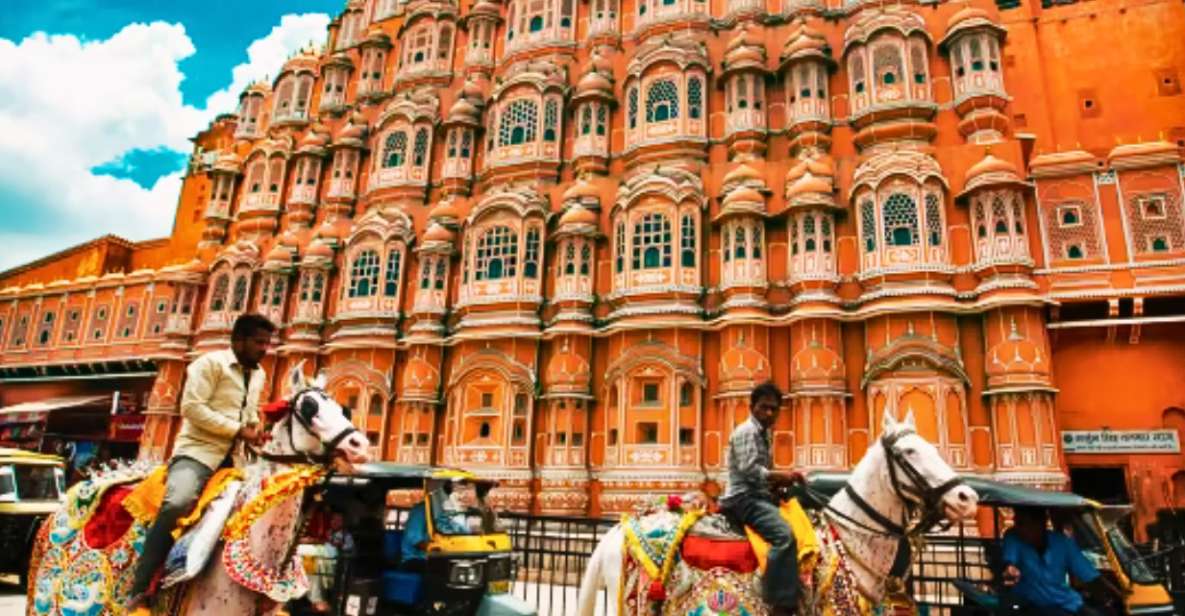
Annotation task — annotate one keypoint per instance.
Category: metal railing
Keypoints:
(553, 553)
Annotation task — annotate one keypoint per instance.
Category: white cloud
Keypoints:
(266, 56)
(68, 105)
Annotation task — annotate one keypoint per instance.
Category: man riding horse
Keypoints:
(219, 407)
(749, 501)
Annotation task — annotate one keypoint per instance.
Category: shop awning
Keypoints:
(33, 412)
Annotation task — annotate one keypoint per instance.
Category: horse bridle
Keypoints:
(305, 419)
(915, 493)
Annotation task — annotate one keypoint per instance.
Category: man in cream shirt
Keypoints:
(219, 407)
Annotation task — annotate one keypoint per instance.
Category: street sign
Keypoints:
(1120, 441)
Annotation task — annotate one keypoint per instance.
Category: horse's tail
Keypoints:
(593, 579)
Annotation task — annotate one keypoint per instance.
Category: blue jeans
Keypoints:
(186, 480)
(780, 584)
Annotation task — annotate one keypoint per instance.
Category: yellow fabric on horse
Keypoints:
(145, 499)
(804, 533)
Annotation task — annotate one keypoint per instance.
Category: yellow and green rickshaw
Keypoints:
(32, 486)
(469, 566)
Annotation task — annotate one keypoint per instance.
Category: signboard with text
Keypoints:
(1120, 441)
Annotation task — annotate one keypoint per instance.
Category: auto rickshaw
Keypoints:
(976, 560)
(469, 565)
(32, 486)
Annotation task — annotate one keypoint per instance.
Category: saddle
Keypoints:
(715, 542)
(657, 542)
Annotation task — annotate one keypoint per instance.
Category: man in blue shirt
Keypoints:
(415, 529)
(1037, 563)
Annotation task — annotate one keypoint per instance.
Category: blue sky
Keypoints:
(99, 97)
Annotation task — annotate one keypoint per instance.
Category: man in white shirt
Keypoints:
(219, 407)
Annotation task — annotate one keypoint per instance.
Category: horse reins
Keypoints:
(917, 490)
(299, 457)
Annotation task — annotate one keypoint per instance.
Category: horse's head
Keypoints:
(316, 424)
(919, 475)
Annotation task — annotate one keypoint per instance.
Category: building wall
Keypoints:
(440, 235)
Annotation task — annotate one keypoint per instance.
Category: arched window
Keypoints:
(619, 263)
(531, 258)
(868, 225)
(901, 220)
(570, 259)
(395, 149)
(275, 175)
(738, 242)
(633, 107)
(585, 259)
(255, 176)
(445, 43)
(857, 71)
(886, 63)
(586, 120)
(601, 119)
(318, 286)
(687, 243)
(421, 147)
(218, 296)
(426, 274)
(652, 242)
(239, 297)
(809, 243)
(278, 290)
(391, 278)
(826, 227)
(695, 96)
(934, 219)
(364, 274)
(440, 274)
(497, 254)
(662, 101)
(550, 119)
(466, 143)
(519, 122)
(917, 62)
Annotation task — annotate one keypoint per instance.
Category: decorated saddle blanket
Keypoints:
(145, 500)
(714, 542)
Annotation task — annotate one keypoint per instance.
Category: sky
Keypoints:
(98, 100)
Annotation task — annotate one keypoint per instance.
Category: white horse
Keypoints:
(70, 575)
(900, 474)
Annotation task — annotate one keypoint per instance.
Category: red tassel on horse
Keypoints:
(657, 591)
(275, 411)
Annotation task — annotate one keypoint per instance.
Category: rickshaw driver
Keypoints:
(415, 539)
(1037, 561)
(749, 501)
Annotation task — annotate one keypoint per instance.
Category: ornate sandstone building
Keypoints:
(558, 241)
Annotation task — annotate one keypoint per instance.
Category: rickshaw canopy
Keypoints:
(385, 476)
(991, 493)
(9, 455)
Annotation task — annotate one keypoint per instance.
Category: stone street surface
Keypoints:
(12, 596)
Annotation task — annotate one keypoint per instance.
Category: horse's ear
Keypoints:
(888, 423)
(319, 381)
(909, 419)
(296, 378)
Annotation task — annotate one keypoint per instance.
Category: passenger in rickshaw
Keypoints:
(323, 547)
(415, 529)
(1037, 562)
